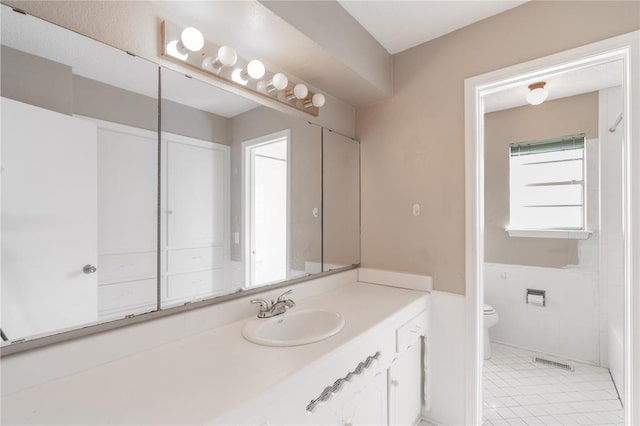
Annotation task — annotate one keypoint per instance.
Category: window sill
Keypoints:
(569, 234)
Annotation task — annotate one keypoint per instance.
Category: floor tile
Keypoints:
(519, 391)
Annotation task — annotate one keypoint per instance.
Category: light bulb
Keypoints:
(280, 81)
(237, 76)
(208, 63)
(227, 56)
(172, 49)
(261, 86)
(318, 100)
(192, 39)
(256, 69)
(300, 91)
(537, 93)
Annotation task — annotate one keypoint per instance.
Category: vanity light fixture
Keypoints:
(227, 57)
(537, 93)
(191, 38)
(300, 91)
(187, 46)
(317, 100)
(261, 87)
(255, 70)
(279, 81)
(172, 49)
(238, 75)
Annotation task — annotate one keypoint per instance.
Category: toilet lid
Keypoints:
(488, 309)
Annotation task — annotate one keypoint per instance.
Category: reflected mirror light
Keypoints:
(172, 49)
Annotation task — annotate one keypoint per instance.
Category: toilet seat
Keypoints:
(490, 318)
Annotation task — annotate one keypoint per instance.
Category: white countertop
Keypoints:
(199, 378)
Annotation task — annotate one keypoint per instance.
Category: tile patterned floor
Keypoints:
(518, 391)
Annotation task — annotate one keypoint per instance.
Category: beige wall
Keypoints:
(340, 200)
(413, 144)
(561, 117)
(36, 81)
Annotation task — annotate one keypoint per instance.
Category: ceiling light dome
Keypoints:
(537, 93)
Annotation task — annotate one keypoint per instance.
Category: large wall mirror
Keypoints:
(79, 179)
(241, 193)
(115, 204)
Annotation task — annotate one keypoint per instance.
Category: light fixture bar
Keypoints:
(223, 62)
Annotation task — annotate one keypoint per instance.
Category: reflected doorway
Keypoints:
(266, 191)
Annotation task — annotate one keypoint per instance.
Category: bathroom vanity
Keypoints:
(218, 377)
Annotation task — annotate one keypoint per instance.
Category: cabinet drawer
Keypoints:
(126, 267)
(411, 331)
(194, 284)
(192, 259)
(127, 298)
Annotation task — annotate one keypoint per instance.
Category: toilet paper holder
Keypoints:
(537, 294)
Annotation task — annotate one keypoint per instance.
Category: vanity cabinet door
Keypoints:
(368, 405)
(405, 387)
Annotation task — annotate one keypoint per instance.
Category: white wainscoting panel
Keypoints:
(568, 326)
(446, 340)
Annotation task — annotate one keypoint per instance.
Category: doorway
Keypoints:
(622, 50)
(266, 201)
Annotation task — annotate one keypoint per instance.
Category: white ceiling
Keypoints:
(561, 85)
(399, 25)
(97, 61)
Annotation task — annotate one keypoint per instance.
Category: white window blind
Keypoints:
(547, 184)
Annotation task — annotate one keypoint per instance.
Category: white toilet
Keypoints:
(490, 319)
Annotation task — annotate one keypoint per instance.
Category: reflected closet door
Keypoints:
(49, 220)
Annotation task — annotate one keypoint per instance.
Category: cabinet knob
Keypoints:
(395, 383)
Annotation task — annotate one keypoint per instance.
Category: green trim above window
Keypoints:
(550, 145)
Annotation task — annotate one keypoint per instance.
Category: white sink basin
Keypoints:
(297, 326)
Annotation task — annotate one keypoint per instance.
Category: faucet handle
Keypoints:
(264, 305)
(282, 296)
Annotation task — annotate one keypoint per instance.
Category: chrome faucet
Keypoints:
(276, 307)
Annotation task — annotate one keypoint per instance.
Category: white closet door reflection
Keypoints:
(196, 226)
(49, 227)
(127, 230)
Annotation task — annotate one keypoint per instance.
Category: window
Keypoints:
(547, 184)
